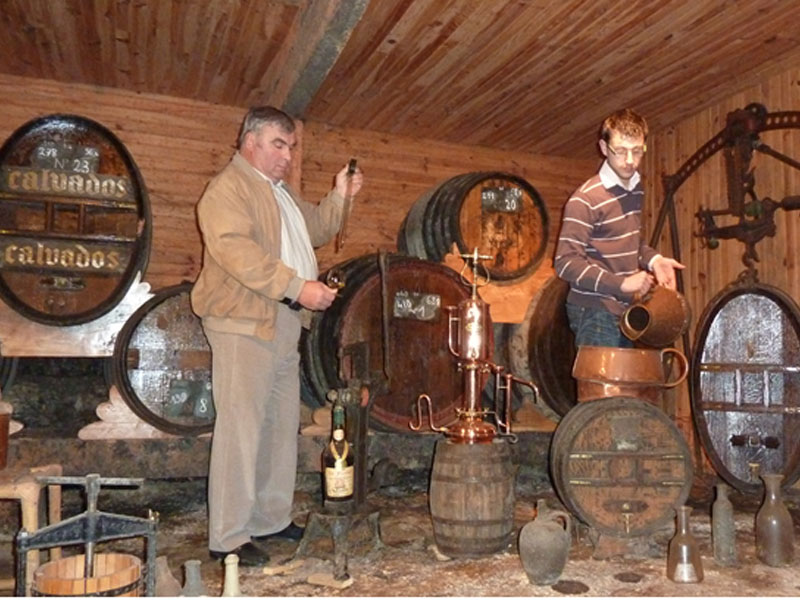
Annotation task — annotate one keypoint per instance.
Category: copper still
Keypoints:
(468, 325)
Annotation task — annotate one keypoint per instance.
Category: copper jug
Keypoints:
(605, 372)
(658, 319)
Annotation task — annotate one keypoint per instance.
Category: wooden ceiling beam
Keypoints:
(319, 38)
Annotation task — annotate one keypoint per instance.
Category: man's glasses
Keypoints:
(634, 152)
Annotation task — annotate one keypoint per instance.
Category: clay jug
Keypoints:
(544, 545)
(658, 319)
(723, 528)
(684, 564)
(774, 527)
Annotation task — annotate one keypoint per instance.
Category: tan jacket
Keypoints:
(242, 278)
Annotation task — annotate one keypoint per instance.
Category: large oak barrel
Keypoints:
(75, 220)
(745, 384)
(499, 213)
(162, 364)
(319, 371)
(400, 358)
(543, 349)
(621, 466)
(472, 497)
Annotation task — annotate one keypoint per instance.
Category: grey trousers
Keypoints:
(251, 477)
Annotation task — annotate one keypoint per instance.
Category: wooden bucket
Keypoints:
(414, 358)
(745, 384)
(621, 466)
(114, 575)
(75, 217)
(472, 497)
(499, 213)
(162, 364)
(543, 349)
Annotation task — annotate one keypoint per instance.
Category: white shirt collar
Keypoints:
(609, 178)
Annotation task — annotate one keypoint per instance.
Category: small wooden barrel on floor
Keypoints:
(472, 497)
(621, 466)
(745, 383)
(114, 575)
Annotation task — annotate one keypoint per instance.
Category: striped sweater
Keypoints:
(601, 241)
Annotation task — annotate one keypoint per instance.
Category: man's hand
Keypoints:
(638, 283)
(664, 270)
(356, 180)
(315, 295)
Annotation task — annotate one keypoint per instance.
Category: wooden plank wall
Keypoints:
(399, 170)
(178, 144)
(708, 271)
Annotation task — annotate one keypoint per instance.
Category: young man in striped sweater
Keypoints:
(600, 249)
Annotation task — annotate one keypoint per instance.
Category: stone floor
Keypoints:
(408, 564)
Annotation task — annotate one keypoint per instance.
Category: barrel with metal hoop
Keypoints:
(499, 213)
(472, 497)
(75, 217)
(388, 327)
(162, 364)
(621, 466)
(745, 383)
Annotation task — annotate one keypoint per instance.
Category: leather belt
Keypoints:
(292, 304)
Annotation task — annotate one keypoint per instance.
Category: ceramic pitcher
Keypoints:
(544, 545)
(658, 319)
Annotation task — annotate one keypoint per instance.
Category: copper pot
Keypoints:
(658, 319)
(605, 372)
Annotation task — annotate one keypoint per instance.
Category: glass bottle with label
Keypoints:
(338, 473)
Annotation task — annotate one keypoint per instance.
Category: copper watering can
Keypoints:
(658, 319)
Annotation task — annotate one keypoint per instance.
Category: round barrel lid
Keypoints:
(75, 220)
(745, 378)
(621, 466)
(162, 364)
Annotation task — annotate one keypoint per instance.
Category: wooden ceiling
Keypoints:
(522, 75)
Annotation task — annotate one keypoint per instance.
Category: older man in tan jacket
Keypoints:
(259, 276)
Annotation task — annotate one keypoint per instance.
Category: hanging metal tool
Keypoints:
(348, 205)
(755, 217)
